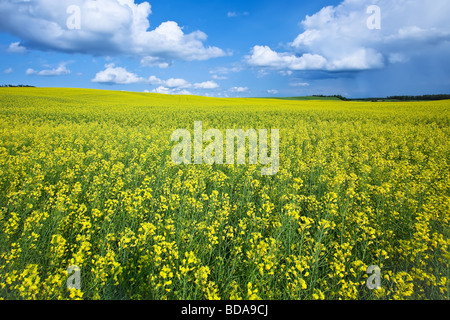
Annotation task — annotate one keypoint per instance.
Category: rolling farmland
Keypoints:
(87, 180)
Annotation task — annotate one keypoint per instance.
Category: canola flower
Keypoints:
(87, 180)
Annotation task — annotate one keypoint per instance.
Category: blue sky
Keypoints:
(356, 48)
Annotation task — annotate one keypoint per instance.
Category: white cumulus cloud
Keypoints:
(206, 85)
(217, 77)
(106, 27)
(15, 47)
(176, 83)
(116, 75)
(337, 38)
(173, 91)
(119, 75)
(239, 89)
(263, 56)
(155, 62)
(58, 71)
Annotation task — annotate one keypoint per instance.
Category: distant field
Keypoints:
(87, 180)
(310, 98)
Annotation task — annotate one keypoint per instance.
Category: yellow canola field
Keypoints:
(87, 180)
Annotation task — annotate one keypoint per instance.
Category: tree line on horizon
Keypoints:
(16, 86)
(429, 97)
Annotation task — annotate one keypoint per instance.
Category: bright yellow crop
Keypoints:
(87, 180)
